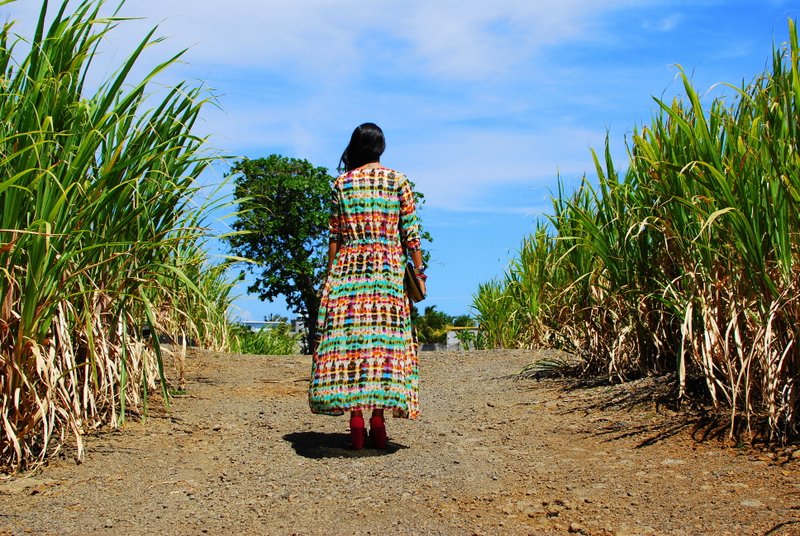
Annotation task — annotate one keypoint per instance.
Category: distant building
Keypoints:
(258, 325)
(458, 338)
(461, 338)
(298, 327)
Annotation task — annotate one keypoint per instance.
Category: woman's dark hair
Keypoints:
(366, 146)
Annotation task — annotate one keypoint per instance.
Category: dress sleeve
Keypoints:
(334, 223)
(409, 222)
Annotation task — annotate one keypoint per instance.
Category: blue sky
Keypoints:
(484, 104)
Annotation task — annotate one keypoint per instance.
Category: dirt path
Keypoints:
(241, 454)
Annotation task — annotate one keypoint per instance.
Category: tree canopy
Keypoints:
(282, 225)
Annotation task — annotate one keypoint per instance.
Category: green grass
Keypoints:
(267, 341)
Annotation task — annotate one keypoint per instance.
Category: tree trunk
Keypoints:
(311, 301)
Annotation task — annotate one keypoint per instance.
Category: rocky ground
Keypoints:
(241, 454)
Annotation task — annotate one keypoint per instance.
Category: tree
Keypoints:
(431, 325)
(463, 321)
(282, 225)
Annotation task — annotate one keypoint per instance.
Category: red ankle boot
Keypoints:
(377, 431)
(358, 433)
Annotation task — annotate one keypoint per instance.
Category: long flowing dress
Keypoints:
(367, 356)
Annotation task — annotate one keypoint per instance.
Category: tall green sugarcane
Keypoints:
(98, 236)
(690, 261)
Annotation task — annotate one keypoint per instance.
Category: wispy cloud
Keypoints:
(664, 24)
(468, 94)
(461, 166)
(319, 38)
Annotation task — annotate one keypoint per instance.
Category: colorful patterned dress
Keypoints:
(367, 357)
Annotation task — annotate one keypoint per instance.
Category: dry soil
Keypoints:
(241, 454)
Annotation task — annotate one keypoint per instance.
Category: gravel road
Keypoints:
(241, 454)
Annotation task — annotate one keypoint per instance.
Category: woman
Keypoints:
(366, 358)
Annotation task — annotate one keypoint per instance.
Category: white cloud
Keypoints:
(664, 24)
(487, 38)
(330, 38)
(459, 169)
(296, 77)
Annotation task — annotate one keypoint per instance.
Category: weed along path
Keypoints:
(241, 454)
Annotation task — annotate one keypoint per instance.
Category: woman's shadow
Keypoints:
(318, 445)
